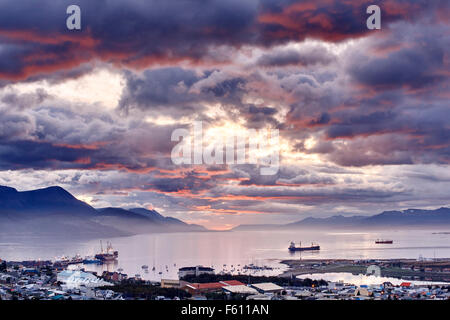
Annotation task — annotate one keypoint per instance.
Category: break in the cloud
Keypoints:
(363, 115)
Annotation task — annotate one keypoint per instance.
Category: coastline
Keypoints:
(407, 269)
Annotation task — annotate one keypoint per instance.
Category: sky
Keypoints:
(363, 115)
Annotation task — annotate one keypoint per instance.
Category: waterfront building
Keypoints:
(240, 289)
(169, 283)
(75, 278)
(194, 271)
(202, 288)
(267, 287)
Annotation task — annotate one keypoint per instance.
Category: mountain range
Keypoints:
(53, 211)
(388, 219)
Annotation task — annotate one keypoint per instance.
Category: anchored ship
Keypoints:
(108, 255)
(313, 246)
(383, 241)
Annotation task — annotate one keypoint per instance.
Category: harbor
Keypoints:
(251, 253)
(46, 280)
(425, 270)
(101, 277)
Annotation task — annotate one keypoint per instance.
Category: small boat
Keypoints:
(384, 241)
(63, 261)
(293, 248)
(76, 260)
(92, 260)
(145, 266)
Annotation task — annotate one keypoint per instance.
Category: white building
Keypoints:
(194, 271)
(241, 289)
(267, 287)
(75, 279)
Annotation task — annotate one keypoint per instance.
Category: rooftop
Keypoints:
(243, 289)
(267, 286)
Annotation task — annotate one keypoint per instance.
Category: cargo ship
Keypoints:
(313, 247)
(383, 241)
(108, 255)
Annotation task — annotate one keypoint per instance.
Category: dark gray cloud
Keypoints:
(24, 154)
(413, 67)
(15, 125)
(305, 57)
(374, 123)
(382, 101)
(139, 34)
(162, 90)
(285, 176)
(66, 137)
(171, 91)
(178, 92)
(25, 100)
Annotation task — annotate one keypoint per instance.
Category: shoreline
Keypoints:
(406, 269)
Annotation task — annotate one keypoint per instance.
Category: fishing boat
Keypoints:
(384, 241)
(65, 261)
(293, 247)
(108, 255)
(62, 261)
(76, 260)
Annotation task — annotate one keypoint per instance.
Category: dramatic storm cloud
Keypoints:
(363, 115)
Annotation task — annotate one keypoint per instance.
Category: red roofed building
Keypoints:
(232, 283)
(405, 284)
(201, 288)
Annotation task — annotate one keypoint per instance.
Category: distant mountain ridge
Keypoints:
(54, 210)
(145, 220)
(404, 218)
(48, 201)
